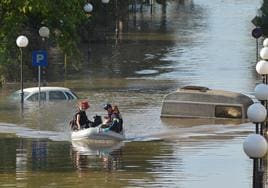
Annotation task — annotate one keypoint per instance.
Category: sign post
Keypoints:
(39, 58)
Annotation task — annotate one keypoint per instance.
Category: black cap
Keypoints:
(106, 106)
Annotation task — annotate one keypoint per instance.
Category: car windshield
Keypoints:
(74, 94)
(70, 97)
(16, 95)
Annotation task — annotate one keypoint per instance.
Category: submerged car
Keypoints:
(46, 94)
(202, 102)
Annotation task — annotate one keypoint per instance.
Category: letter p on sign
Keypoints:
(39, 58)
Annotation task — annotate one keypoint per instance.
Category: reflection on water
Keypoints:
(21, 162)
(153, 163)
(39, 154)
(109, 153)
(186, 42)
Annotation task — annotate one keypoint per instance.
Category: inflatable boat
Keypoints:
(97, 133)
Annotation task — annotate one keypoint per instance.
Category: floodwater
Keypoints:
(190, 43)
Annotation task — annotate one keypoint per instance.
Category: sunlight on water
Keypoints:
(193, 42)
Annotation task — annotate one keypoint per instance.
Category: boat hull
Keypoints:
(96, 133)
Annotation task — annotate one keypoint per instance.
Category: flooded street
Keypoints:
(191, 43)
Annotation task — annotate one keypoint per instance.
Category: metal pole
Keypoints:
(105, 27)
(151, 4)
(42, 68)
(256, 177)
(258, 163)
(21, 77)
(255, 173)
(257, 50)
(116, 22)
(260, 174)
(39, 83)
(88, 47)
(257, 128)
(266, 106)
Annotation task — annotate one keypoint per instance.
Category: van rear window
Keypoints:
(224, 111)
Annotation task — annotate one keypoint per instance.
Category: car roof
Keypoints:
(34, 89)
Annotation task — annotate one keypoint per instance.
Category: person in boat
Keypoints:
(81, 120)
(113, 120)
(108, 119)
(116, 116)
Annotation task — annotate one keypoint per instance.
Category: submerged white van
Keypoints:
(202, 102)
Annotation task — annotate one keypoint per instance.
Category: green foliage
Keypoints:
(18, 17)
(262, 19)
(66, 20)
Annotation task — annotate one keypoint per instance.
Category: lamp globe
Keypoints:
(262, 67)
(256, 113)
(22, 41)
(44, 32)
(264, 53)
(261, 92)
(105, 1)
(255, 146)
(88, 8)
(265, 42)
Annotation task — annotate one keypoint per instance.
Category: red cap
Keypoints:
(84, 104)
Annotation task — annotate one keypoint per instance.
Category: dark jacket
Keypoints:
(84, 122)
(117, 123)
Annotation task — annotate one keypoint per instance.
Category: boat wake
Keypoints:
(175, 134)
(26, 132)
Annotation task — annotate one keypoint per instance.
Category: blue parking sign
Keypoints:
(39, 58)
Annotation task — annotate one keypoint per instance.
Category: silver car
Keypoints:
(46, 94)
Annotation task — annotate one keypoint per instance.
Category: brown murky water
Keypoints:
(194, 42)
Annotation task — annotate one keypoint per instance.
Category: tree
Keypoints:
(68, 24)
(62, 17)
(261, 20)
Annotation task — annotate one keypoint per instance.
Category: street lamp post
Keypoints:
(44, 33)
(151, 6)
(105, 2)
(255, 146)
(116, 22)
(262, 69)
(258, 112)
(88, 8)
(22, 42)
(264, 55)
